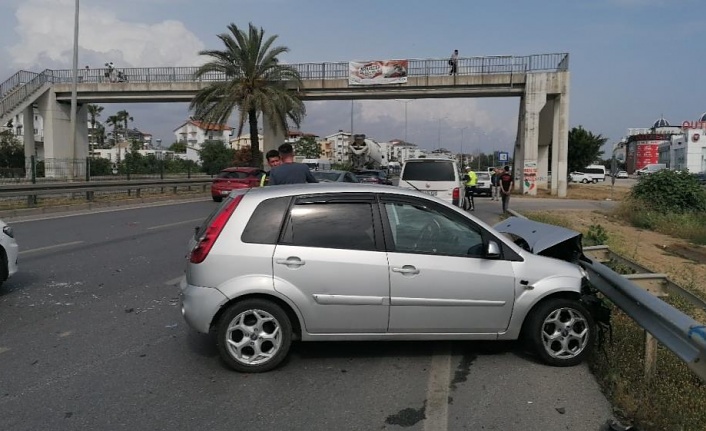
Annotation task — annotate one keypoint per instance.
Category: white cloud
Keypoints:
(45, 30)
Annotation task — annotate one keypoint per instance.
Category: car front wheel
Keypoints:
(561, 331)
(254, 336)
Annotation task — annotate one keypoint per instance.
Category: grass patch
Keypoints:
(688, 225)
(549, 218)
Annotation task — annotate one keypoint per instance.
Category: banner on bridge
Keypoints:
(377, 72)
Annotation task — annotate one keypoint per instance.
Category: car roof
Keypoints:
(329, 187)
(332, 171)
(241, 169)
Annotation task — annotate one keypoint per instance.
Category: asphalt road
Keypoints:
(91, 338)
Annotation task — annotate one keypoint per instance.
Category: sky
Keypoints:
(631, 61)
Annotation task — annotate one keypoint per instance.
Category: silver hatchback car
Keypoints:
(331, 262)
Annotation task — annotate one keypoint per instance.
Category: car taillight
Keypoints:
(199, 253)
(456, 194)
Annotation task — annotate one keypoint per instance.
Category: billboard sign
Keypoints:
(377, 72)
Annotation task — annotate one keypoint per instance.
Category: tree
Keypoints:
(584, 148)
(12, 153)
(124, 117)
(256, 83)
(178, 147)
(115, 122)
(244, 157)
(215, 156)
(307, 147)
(94, 111)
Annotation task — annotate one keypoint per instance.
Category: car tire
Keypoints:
(595, 181)
(217, 198)
(240, 336)
(585, 181)
(560, 331)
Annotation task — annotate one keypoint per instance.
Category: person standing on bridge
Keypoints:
(453, 62)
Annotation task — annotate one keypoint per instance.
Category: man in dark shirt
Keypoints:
(290, 172)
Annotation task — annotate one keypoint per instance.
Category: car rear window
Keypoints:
(429, 171)
(231, 174)
(483, 176)
(266, 221)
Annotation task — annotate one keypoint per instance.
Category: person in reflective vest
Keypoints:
(471, 186)
(273, 160)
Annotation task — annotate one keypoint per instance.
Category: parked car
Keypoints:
(235, 178)
(333, 176)
(483, 184)
(8, 252)
(435, 177)
(336, 262)
(651, 168)
(580, 177)
(622, 174)
(373, 176)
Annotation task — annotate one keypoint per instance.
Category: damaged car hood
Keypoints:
(543, 239)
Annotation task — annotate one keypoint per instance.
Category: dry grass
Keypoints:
(590, 192)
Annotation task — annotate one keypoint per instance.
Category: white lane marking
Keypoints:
(4, 349)
(175, 224)
(437, 411)
(51, 247)
(174, 281)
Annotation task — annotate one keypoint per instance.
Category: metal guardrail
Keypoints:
(680, 333)
(34, 190)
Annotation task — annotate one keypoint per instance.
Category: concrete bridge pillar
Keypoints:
(60, 159)
(543, 125)
(272, 138)
(28, 139)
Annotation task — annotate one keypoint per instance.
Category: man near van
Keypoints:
(273, 161)
(507, 183)
(495, 184)
(290, 172)
(471, 182)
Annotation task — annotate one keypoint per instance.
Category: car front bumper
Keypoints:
(199, 305)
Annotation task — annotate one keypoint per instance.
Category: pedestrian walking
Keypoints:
(507, 183)
(453, 62)
(290, 172)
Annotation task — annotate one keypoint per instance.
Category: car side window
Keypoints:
(341, 225)
(266, 221)
(419, 228)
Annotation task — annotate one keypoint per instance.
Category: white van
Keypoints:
(595, 172)
(436, 177)
(651, 168)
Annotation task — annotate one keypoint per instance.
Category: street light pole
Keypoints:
(462, 129)
(74, 91)
(405, 115)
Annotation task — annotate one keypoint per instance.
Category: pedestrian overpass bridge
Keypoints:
(541, 82)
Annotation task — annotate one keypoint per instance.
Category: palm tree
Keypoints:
(124, 116)
(256, 83)
(94, 111)
(115, 122)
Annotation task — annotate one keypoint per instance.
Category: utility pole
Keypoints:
(74, 91)
(406, 102)
(464, 128)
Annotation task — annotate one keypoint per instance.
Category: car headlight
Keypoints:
(7, 230)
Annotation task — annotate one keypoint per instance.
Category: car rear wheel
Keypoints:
(561, 331)
(254, 336)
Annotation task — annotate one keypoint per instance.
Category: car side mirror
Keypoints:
(492, 250)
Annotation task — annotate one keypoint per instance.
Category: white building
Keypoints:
(194, 133)
(16, 126)
(399, 151)
(687, 150)
(245, 141)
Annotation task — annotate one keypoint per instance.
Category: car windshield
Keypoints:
(232, 174)
(325, 176)
(429, 170)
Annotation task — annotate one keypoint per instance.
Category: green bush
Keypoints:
(100, 167)
(670, 191)
(596, 235)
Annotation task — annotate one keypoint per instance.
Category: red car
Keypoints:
(235, 178)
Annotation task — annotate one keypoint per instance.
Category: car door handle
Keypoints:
(291, 262)
(407, 269)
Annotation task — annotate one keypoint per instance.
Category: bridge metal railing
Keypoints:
(23, 84)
